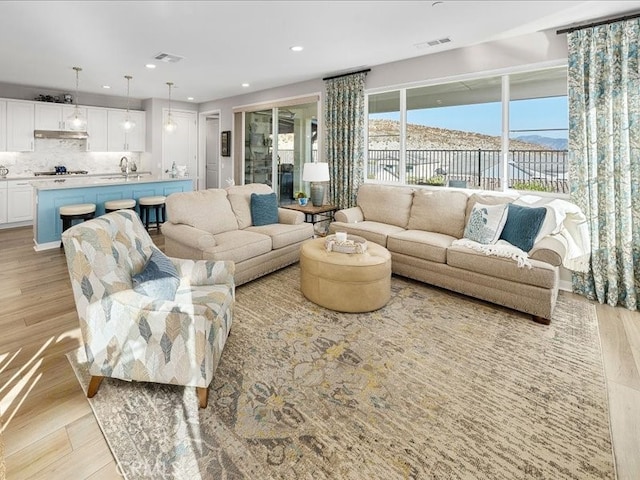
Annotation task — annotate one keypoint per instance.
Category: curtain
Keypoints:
(344, 126)
(604, 157)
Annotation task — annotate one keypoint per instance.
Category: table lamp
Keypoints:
(316, 172)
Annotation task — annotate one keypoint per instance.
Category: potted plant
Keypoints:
(302, 198)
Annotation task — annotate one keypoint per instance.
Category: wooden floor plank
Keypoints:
(624, 404)
(38, 455)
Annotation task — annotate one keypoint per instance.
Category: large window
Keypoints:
(452, 133)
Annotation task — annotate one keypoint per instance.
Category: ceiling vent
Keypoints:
(168, 57)
(432, 43)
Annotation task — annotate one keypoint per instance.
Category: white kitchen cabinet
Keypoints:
(3, 202)
(118, 140)
(97, 128)
(52, 116)
(19, 201)
(20, 126)
(3, 126)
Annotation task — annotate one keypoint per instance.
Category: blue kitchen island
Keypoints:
(50, 195)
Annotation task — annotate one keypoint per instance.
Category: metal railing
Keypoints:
(540, 170)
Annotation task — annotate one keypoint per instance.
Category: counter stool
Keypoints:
(79, 211)
(152, 203)
(113, 205)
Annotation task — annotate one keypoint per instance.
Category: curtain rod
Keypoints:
(346, 74)
(598, 23)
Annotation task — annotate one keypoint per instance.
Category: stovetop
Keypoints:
(68, 172)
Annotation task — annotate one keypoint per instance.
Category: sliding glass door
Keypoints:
(277, 142)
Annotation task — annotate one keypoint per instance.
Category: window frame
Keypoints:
(503, 74)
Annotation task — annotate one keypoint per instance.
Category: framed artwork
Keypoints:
(225, 143)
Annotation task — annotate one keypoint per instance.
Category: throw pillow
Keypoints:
(158, 279)
(264, 209)
(523, 225)
(486, 223)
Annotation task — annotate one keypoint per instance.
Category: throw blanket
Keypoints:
(500, 249)
(567, 220)
(563, 218)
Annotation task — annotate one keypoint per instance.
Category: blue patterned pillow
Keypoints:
(485, 223)
(158, 279)
(523, 225)
(264, 209)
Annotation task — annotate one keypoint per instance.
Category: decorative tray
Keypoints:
(353, 244)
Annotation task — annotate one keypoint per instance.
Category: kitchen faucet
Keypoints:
(124, 168)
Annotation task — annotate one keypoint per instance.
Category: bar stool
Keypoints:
(79, 211)
(113, 205)
(152, 203)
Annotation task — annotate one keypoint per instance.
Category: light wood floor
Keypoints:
(49, 430)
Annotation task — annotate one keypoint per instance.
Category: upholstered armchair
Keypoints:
(144, 316)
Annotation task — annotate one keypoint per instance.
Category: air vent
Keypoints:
(432, 43)
(168, 57)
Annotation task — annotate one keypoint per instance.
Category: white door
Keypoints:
(180, 146)
(212, 165)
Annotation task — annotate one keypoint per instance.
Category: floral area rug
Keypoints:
(433, 386)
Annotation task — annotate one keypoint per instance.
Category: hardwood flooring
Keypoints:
(48, 428)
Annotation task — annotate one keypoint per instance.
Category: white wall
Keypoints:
(534, 49)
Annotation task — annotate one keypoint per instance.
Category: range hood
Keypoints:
(60, 134)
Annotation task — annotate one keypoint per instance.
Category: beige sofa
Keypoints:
(216, 224)
(418, 227)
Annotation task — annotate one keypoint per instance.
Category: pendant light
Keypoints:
(128, 124)
(76, 120)
(170, 126)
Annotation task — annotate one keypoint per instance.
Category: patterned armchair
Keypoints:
(132, 336)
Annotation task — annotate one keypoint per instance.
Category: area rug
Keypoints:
(433, 386)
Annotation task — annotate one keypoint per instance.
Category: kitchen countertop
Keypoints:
(60, 182)
(54, 177)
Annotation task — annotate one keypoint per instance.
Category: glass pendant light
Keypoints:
(76, 120)
(170, 126)
(128, 123)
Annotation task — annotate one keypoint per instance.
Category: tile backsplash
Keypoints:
(71, 153)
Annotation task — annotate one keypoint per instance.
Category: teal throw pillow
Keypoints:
(485, 223)
(523, 225)
(158, 279)
(264, 209)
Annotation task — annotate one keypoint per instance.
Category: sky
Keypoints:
(486, 118)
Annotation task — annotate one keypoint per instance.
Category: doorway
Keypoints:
(212, 152)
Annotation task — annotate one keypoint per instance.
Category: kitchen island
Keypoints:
(50, 195)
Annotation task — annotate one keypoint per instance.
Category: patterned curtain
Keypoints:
(344, 126)
(604, 153)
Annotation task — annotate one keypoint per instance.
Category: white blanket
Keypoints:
(499, 249)
(565, 219)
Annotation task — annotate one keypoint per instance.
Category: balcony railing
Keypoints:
(541, 170)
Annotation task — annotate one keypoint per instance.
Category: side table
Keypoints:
(313, 214)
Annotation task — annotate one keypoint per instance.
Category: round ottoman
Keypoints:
(345, 282)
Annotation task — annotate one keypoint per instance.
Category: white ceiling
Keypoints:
(226, 43)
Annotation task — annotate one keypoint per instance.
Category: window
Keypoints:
(452, 133)
(383, 159)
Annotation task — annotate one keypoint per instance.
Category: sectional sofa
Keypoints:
(217, 224)
(420, 226)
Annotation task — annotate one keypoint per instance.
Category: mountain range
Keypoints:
(384, 135)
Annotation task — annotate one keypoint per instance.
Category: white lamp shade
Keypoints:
(315, 172)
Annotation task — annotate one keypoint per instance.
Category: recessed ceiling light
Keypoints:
(245, 85)
(189, 98)
(150, 66)
(106, 86)
(296, 48)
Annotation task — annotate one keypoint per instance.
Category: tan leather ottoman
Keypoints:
(345, 282)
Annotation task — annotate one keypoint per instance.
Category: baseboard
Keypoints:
(565, 285)
(38, 247)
